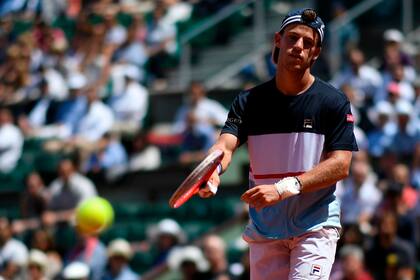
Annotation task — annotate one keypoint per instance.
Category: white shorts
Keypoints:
(308, 256)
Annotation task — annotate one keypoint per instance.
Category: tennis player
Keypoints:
(299, 132)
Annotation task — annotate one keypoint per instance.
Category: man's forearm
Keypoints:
(327, 172)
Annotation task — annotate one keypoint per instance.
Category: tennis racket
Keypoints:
(197, 178)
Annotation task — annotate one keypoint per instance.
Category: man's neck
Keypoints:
(293, 83)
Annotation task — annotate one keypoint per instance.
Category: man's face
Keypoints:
(298, 47)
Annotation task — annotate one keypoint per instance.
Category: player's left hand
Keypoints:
(261, 196)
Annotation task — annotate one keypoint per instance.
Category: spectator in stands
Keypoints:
(76, 271)
(119, 256)
(95, 123)
(161, 44)
(191, 262)
(34, 198)
(397, 200)
(65, 192)
(395, 86)
(144, 155)
(395, 55)
(131, 104)
(109, 159)
(197, 138)
(166, 236)
(403, 142)
(37, 116)
(11, 142)
(71, 111)
(37, 265)
(43, 241)
(390, 257)
(90, 251)
(204, 110)
(381, 116)
(13, 253)
(133, 51)
(214, 249)
(364, 79)
(360, 196)
(116, 34)
(350, 265)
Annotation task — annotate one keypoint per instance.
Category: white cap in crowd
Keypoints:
(120, 247)
(76, 270)
(76, 80)
(403, 107)
(393, 35)
(38, 258)
(192, 254)
(169, 227)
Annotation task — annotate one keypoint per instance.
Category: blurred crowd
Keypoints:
(78, 75)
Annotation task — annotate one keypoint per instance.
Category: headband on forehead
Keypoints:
(305, 16)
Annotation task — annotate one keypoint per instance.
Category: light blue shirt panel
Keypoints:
(295, 216)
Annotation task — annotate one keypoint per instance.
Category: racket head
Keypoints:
(191, 185)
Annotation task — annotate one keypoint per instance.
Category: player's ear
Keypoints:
(277, 38)
(316, 54)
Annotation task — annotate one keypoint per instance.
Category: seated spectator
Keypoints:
(37, 265)
(66, 192)
(379, 139)
(191, 262)
(43, 241)
(33, 204)
(76, 271)
(395, 86)
(41, 114)
(119, 256)
(390, 257)
(403, 142)
(350, 265)
(13, 253)
(364, 79)
(397, 200)
(109, 159)
(214, 249)
(11, 142)
(95, 123)
(161, 42)
(34, 198)
(394, 54)
(132, 51)
(91, 251)
(165, 236)
(131, 104)
(71, 111)
(204, 110)
(197, 139)
(144, 155)
(360, 196)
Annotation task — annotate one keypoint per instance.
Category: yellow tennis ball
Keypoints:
(94, 215)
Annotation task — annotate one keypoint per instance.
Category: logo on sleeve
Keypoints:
(350, 118)
(234, 120)
(316, 270)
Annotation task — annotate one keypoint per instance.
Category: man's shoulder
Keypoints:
(328, 92)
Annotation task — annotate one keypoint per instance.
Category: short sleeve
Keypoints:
(340, 127)
(236, 123)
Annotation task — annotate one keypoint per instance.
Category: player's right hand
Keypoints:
(210, 188)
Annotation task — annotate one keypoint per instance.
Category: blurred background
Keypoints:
(123, 98)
